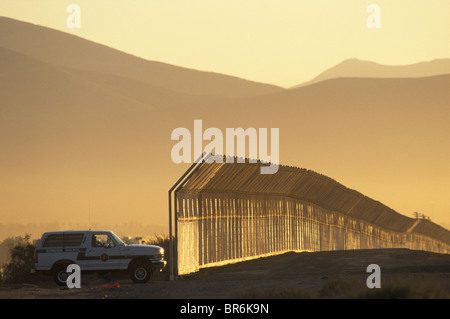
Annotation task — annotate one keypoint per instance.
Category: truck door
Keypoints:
(103, 252)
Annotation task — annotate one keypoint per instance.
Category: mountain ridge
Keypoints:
(72, 133)
(67, 50)
(370, 69)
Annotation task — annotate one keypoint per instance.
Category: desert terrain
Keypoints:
(333, 274)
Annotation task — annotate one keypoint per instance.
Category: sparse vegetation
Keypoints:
(18, 268)
(274, 293)
(164, 242)
(348, 289)
(407, 290)
(338, 289)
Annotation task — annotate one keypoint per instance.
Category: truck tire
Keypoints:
(141, 272)
(60, 274)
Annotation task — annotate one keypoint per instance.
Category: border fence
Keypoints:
(230, 212)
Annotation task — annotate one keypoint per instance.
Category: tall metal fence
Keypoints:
(231, 212)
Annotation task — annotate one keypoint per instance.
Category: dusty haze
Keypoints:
(85, 133)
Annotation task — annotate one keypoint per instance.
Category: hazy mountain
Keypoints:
(367, 69)
(77, 139)
(65, 50)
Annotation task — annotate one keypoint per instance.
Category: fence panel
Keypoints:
(228, 213)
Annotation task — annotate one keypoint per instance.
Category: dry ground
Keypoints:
(334, 274)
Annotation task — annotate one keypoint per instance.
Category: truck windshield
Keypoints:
(118, 240)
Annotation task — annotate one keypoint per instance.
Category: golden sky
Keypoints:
(280, 42)
(283, 42)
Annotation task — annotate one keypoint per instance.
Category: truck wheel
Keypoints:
(141, 272)
(60, 274)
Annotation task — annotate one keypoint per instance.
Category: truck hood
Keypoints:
(142, 249)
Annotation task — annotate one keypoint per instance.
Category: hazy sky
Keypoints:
(283, 42)
(280, 42)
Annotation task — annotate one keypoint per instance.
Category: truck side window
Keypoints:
(102, 240)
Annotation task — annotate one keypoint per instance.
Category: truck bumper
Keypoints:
(159, 264)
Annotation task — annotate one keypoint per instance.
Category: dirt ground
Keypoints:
(334, 274)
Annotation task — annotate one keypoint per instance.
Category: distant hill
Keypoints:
(66, 50)
(72, 133)
(353, 68)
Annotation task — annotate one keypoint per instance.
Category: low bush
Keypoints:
(273, 293)
(18, 268)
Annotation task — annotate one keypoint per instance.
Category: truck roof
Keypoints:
(76, 231)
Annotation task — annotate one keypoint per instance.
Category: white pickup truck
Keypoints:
(98, 251)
